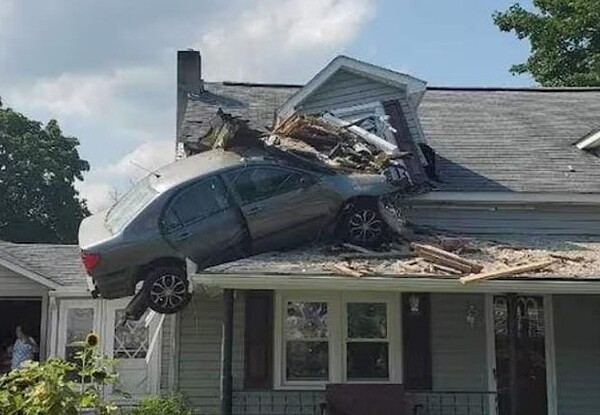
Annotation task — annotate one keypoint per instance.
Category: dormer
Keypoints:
(366, 95)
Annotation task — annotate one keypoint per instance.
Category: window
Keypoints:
(336, 337)
(257, 183)
(130, 204)
(367, 344)
(306, 341)
(130, 338)
(200, 201)
(80, 323)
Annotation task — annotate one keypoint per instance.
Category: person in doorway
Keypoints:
(24, 348)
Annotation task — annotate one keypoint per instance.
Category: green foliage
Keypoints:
(163, 405)
(58, 387)
(38, 166)
(564, 37)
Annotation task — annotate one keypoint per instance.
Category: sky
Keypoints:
(105, 69)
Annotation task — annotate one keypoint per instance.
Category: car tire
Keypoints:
(362, 223)
(167, 289)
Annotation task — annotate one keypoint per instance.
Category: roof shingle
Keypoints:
(486, 139)
(58, 263)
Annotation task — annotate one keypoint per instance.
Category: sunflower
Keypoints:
(92, 340)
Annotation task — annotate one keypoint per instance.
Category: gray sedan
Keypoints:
(216, 207)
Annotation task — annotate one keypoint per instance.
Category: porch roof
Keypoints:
(58, 265)
(577, 258)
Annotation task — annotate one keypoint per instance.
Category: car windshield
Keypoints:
(130, 204)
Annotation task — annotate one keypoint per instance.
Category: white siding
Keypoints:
(15, 285)
(577, 340)
(345, 89)
(458, 351)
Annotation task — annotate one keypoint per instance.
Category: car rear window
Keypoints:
(130, 204)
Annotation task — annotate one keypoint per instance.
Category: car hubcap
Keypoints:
(168, 291)
(364, 226)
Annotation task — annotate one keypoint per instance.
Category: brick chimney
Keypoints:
(189, 80)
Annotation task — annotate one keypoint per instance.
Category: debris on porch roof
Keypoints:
(327, 141)
(571, 259)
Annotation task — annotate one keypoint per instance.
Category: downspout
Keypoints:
(227, 354)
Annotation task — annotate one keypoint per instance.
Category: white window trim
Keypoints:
(103, 325)
(337, 338)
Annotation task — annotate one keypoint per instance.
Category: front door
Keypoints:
(520, 335)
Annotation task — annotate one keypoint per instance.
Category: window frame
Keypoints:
(230, 184)
(337, 341)
(170, 205)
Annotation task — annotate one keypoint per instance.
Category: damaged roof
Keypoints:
(486, 139)
(573, 259)
(60, 264)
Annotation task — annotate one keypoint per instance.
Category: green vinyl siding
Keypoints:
(577, 350)
(458, 351)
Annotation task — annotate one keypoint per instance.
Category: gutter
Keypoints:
(551, 285)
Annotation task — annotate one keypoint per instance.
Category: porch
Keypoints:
(466, 353)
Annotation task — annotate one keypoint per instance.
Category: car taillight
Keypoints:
(90, 261)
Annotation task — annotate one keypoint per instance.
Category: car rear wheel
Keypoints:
(362, 223)
(167, 289)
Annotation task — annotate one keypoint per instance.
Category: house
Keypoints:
(267, 334)
(43, 288)
(515, 178)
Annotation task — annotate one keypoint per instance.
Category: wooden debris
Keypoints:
(357, 248)
(447, 270)
(536, 266)
(376, 255)
(568, 257)
(445, 258)
(344, 270)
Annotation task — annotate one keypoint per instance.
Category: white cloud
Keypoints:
(275, 40)
(103, 184)
(150, 156)
(99, 196)
(109, 77)
(85, 94)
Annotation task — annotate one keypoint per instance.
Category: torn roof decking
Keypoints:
(497, 253)
(486, 139)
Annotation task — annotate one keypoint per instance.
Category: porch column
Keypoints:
(227, 353)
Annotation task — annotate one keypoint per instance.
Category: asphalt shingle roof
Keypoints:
(58, 263)
(486, 139)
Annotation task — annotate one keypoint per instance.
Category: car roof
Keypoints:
(190, 168)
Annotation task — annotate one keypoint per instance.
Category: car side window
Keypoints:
(253, 184)
(200, 201)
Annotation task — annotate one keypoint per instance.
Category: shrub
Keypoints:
(163, 405)
(59, 387)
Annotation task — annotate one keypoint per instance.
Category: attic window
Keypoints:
(590, 143)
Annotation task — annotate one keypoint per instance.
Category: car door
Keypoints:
(283, 207)
(203, 223)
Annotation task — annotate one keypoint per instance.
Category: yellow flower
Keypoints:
(92, 340)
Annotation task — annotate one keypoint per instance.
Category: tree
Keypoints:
(564, 37)
(38, 168)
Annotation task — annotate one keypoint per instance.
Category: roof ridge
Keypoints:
(431, 88)
(259, 84)
(514, 89)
